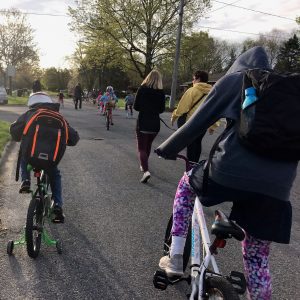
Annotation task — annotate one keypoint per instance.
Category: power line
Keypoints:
(223, 6)
(3, 11)
(261, 12)
(229, 30)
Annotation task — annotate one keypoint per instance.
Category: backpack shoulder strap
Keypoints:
(198, 101)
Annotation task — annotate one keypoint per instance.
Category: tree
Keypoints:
(271, 41)
(142, 28)
(16, 40)
(56, 79)
(289, 56)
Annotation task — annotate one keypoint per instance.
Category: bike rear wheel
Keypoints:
(218, 288)
(34, 227)
(168, 241)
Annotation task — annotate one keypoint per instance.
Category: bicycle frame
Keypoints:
(199, 265)
(200, 275)
(41, 191)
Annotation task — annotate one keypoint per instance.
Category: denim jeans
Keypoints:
(55, 181)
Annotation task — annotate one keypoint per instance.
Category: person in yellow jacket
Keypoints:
(187, 105)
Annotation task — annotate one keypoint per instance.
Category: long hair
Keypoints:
(153, 80)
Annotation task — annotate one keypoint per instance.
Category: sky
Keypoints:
(55, 41)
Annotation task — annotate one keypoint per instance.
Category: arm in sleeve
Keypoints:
(162, 103)
(16, 128)
(73, 136)
(136, 104)
(220, 102)
(184, 105)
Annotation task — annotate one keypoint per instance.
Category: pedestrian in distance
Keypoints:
(257, 186)
(149, 102)
(61, 97)
(78, 93)
(188, 104)
(42, 102)
(36, 86)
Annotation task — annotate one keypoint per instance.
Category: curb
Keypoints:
(6, 151)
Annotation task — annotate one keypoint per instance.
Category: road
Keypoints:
(114, 226)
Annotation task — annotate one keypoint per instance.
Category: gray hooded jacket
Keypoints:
(233, 165)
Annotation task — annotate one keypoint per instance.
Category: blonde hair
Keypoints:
(153, 80)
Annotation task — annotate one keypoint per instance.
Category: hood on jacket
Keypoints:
(39, 97)
(255, 57)
(52, 106)
(203, 87)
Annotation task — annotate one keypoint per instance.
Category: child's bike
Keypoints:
(108, 113)
(39, 211)
(205, 278)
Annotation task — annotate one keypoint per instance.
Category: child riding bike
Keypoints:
(258, 187)
(129, 100)
(41, 101)
(109, 100)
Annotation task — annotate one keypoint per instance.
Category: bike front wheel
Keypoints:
(107, 120)
(218, 288)
(34, 227)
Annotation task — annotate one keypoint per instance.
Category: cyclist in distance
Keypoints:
(258, 187)
(37, 101)
(129, 100)
(109, 100)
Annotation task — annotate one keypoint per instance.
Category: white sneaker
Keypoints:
(173, 266)
(145, 177)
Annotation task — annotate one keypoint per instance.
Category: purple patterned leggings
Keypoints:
(255, 251)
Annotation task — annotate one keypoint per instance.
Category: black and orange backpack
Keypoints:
(44, 139)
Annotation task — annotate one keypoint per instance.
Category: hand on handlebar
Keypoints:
(165, 155)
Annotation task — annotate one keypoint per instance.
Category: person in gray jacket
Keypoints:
(258, 187)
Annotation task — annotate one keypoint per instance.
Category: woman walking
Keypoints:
(149, 102)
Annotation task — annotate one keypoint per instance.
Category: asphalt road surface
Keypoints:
(113, 234)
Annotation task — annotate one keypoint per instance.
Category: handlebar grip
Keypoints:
(161, 153)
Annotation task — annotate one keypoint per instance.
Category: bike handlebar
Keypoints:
(188, 164)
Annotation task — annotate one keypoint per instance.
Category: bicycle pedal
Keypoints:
(160, 280)
(238, 281)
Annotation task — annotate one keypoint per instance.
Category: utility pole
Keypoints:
(177, 54)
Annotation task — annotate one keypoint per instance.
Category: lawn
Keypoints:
(4, 135)
(13, 100)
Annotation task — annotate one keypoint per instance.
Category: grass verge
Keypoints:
(17, 100)
(4, 135)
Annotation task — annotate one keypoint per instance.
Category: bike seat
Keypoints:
(224, 228)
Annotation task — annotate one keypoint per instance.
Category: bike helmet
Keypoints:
(39, 97)
(109, 89)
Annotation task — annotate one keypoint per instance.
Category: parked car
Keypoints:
(3, 96)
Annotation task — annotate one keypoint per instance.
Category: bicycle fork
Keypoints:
(198, 268)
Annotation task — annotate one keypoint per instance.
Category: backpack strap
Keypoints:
(198, 101)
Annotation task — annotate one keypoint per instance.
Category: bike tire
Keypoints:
(168, 241)
(34, 227)
(218, 287)
(107, 120)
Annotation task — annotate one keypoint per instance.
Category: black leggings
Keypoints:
(144, 143)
